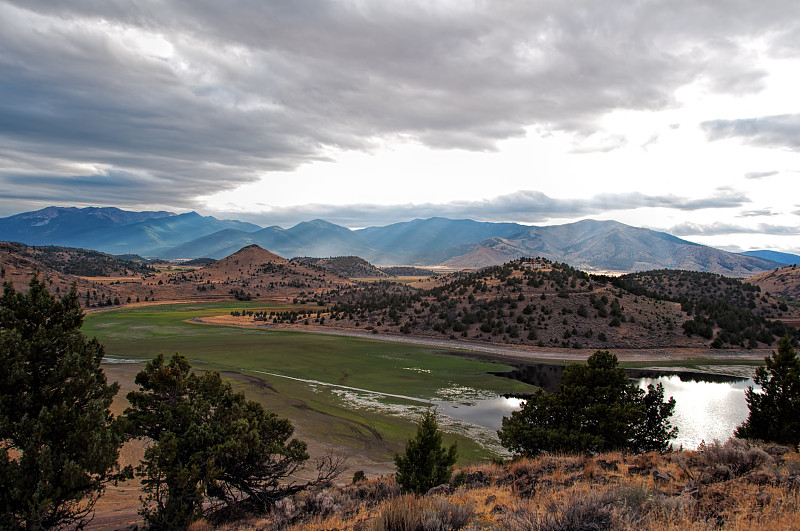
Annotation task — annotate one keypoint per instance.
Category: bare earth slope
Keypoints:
(783, 282)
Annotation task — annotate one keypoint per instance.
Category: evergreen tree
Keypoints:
(425, 463)
(654, 431)
(58, 441)
(775, 410)
(597, 408)
(208, 441)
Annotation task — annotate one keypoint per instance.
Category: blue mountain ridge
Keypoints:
(775, 256)
(589, 244)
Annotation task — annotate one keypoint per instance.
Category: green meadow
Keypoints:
(270, 364)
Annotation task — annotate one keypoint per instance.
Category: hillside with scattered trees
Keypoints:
(782, 283)
(344, 266)
(539, 303)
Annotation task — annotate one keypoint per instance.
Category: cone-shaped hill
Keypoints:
(246, 261)
(259, 272)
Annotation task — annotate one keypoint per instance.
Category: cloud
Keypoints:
(760, 174)
(525, 206)
(755, 213)
(782, 131)
(197, 97)
(714, 229)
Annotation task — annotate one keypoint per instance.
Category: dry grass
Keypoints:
(731, 486)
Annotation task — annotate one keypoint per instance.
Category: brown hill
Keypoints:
(103, 283)
(540, 304)
(243, 262)
(251, 273)
(254, 272)
(783, 282)
(344, 266)
(483, 256)
(19, 262)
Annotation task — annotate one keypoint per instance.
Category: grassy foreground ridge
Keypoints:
(732, 486)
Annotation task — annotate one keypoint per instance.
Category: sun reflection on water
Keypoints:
(704, 411)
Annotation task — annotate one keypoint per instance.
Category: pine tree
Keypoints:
(425, 463)
(597, 408)
(58, 440)
(654, 431)
(208, 442)
(775, 410)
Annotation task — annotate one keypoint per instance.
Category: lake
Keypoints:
(704, 410)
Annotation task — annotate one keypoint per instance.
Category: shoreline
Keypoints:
(521, 353)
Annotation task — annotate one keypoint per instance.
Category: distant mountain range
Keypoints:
(588, 244)
(775, 256)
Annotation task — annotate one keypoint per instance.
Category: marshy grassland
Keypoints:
(354, 395)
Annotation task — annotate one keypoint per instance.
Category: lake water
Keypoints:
(487, 412)
(704, 411)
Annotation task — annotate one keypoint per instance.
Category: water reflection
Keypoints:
(704, 411)
(487, 413)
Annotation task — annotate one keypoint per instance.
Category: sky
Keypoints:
(676, 115)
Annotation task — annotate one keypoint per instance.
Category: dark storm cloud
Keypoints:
(523, 206)
(781, 131)
(250, 86)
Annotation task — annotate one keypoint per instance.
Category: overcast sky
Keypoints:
(677, 115)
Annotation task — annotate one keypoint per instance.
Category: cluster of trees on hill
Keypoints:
(81, 262)
(214, 451)
(554, 304)
(742, 314)
(343, 266)
(488, 303)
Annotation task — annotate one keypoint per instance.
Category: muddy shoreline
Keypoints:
(506, 353)
(542, 367)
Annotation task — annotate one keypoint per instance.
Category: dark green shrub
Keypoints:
(597, 408)
(425, 463)
(775, 410)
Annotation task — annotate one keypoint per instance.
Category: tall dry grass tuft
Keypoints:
(199, 525)
(416, 513)
(720, 462)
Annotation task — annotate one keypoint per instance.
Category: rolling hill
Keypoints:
(538, 303)
(104, 280)
(783, 282)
